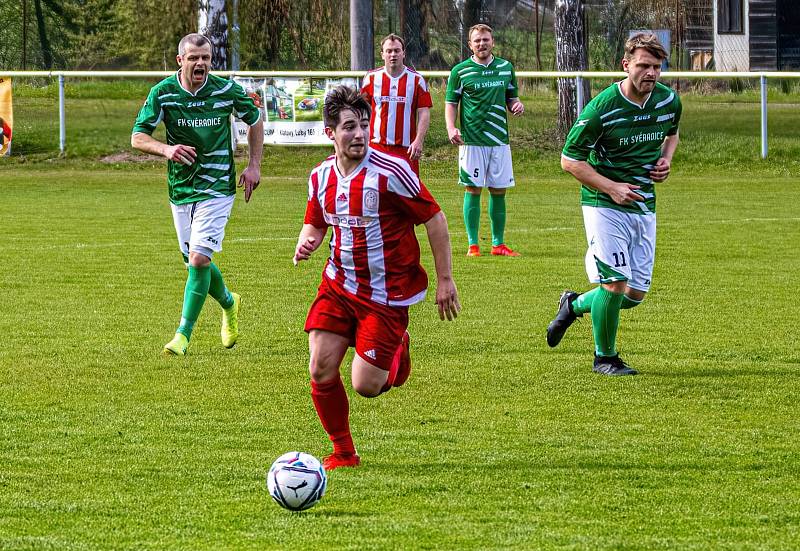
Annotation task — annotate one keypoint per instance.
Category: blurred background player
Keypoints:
(372, 201)
(621, 144)
(196, 108)
(400, 104)
(485, 86)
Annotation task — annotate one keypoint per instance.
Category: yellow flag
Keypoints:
(6, 115)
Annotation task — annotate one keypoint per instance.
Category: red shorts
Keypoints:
(397, 151)
(375, 330)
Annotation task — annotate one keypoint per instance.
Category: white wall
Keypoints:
(732, 51)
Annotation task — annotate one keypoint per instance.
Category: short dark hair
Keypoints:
(195, 39)
(393, 36)
(344, 98)
(648, 42)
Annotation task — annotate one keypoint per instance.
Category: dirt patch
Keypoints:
(128, 157)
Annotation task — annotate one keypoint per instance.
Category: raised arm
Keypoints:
(446, 293)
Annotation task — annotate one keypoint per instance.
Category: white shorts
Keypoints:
(485, 166)
(622, 246)
(201, 226)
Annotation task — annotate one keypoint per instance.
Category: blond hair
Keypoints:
(480, 27)
(645, 41)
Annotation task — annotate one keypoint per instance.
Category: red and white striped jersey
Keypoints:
(373, 211)
(394, 104)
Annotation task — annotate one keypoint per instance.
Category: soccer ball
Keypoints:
(297, 481)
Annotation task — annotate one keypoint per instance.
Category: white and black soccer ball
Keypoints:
(297, 481)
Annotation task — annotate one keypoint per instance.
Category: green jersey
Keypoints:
(483, 91)
(622, 141)
(201, 120)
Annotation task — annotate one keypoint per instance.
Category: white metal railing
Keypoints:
(578, 76)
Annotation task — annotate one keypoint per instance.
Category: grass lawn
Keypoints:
(496, 441)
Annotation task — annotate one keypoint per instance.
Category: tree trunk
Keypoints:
(212, 21)
(538, 36)
(414, 29)
(362, 52)
(570, 56)
(47, 53)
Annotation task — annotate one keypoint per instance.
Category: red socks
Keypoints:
(333, 409)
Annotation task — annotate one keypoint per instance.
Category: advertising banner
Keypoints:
(291, 108)
(6, 115)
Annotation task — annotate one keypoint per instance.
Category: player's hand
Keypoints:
(447, 299)
(661, 171)
(624, 194)
(249, 180)
(305, 248)
(184, 154)
(455, 136)
(517, 108)
(415, 150)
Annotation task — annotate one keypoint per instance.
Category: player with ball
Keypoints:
(372, 201)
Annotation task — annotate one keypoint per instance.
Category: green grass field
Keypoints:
(496, 441)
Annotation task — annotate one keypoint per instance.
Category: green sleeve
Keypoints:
(512, 91)
(243, 106)
(678, 108)
(453, 94)
(584, 135)
(149, 115)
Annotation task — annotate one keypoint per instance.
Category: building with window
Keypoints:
(756, 35)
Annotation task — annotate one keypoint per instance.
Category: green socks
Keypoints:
(197, 285)
(583, 304)
(472, 216)
(217, 288)
(497, 215)
(628, 303)
(604, 307)
(605, 321)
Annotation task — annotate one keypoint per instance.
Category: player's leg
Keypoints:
(472, 175)
(500, 177)
(330, 325)
(643, 253)
(197, 281)
(208, 230)
(610, 234)
(382, 343)
(330, 397)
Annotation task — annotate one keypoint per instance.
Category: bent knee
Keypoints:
(367, 389)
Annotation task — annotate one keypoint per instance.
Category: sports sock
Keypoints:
(333, 409)
(472, 216)
(194, 296)
(628, 303)
(583, 304)
(497, 216)
(217, 288)
(605, 321)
